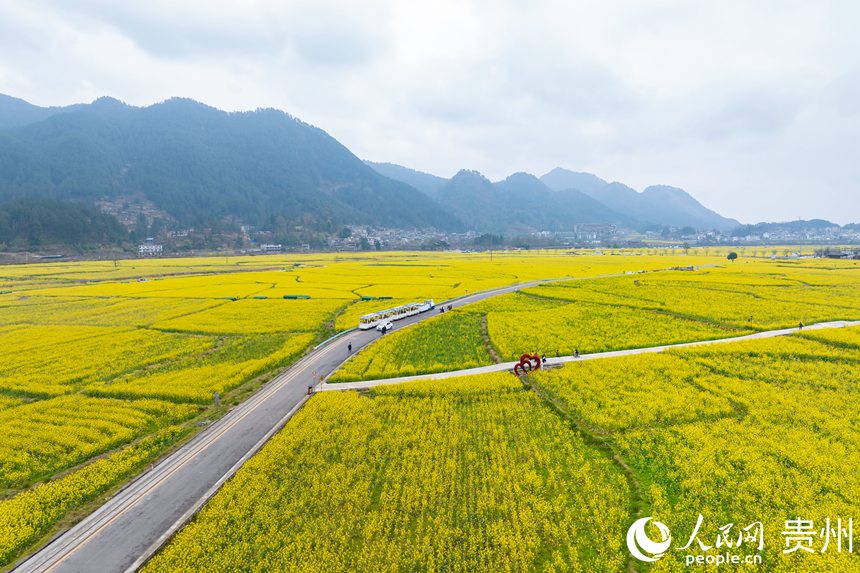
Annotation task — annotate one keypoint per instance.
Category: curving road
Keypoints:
(124, 532)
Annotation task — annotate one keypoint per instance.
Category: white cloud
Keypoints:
(753, 107)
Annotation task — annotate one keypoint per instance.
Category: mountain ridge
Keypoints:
(657, 204)
(266, 167)
(15, 112)
(519, 204)
(197, 163)
(600, 202)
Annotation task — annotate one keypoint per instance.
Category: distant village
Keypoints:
(363, 238)
(233, 238)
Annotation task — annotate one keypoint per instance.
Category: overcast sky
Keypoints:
(753, 107)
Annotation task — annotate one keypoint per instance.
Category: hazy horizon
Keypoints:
(752, 109)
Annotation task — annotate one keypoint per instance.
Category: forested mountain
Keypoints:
(425, 182)
(198, 166)
(675, 207)
(658, 204)
(560, 178)
(15, 112)
(519, 204)
(557, 201)
(41, 222)
(197, 163)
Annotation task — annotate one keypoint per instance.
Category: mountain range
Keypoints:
(195, 164)
(557, 200)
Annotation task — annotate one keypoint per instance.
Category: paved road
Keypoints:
(121, 534)
(508, 366)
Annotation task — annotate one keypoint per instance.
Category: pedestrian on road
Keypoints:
(576, 353)
(800, 327)
(349, 348)
(543, 358)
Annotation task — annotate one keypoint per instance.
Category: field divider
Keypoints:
(602, 442)
(504, 366)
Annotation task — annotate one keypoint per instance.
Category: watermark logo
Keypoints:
(643, 547)
(733, 545)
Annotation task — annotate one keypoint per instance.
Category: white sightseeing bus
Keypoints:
(368, 321)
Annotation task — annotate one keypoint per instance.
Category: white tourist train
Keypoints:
(368, 321)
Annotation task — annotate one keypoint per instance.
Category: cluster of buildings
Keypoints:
(364, 238)
(149, 248)
(371, 238)
(833, 235)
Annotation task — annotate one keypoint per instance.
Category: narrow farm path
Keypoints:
(503, 366)
(485, 335)
(603, 443)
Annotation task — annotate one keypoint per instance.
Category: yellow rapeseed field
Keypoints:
(97, 355)
(484, 474)
(614, 313)
(457, 475)
(105, 364)
(756, 431)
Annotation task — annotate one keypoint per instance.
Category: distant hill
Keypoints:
(557, 201)
(15, 112)
(658, 204)
(673, 206)
(519, 204)
(559, 179)
(429, 184)
(197, 163)
(799, 225)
